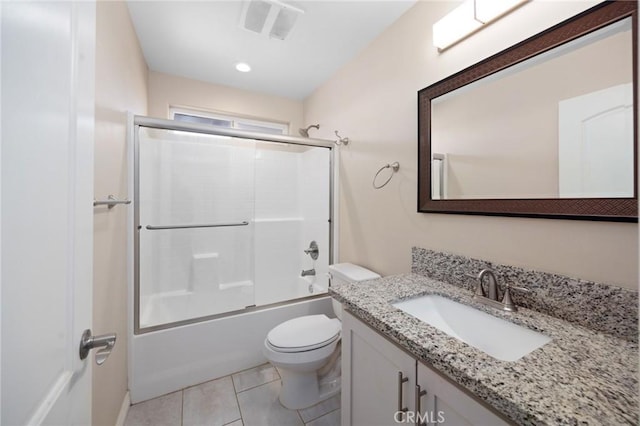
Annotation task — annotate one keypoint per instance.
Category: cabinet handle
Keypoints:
(401, 380)
(419, 394)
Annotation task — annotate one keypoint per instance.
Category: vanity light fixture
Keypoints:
(243, 67)
(469, 17)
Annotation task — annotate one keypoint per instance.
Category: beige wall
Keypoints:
(373, 101)
(167, 90)
(121, 86)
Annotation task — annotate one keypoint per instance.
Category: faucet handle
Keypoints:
(522, 289)
(312, 250)
(507, 302)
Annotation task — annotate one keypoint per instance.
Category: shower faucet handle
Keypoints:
(313, 250)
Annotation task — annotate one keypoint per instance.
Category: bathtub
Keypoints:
(165, 361)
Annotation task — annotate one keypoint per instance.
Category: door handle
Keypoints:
(106, 342)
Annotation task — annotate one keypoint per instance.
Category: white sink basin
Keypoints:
(501, 339)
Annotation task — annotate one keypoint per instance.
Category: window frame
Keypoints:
(236, 121)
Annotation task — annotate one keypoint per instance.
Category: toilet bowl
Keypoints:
(306, 350)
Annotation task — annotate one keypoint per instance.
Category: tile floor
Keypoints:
(246, 398)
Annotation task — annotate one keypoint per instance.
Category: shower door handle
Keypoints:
(105, 341)
(202, 225)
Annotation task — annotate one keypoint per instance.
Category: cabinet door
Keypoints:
(378, 378)
(446, 404)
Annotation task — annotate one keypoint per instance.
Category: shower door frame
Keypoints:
(139, 121)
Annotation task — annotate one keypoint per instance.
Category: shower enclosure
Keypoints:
(222, 220)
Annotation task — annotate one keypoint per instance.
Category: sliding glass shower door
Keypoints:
(225, 223)
(196, 209)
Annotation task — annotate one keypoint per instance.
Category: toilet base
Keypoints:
(302, 390)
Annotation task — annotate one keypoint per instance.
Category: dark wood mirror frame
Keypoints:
(607, 209)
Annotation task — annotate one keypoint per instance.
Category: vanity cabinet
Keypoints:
(446, 404)
(379, 379)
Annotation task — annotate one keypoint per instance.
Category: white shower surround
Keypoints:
(180, 305)
(167, 360)
(281, 191)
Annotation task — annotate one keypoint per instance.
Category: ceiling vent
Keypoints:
(269, 18)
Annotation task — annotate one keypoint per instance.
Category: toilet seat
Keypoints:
(303, 348)
(304, 334)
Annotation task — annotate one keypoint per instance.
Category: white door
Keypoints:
(47, 51)
(596, 144)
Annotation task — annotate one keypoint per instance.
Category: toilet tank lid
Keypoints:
(352, 273)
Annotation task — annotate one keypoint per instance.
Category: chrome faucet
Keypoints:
(492, 296)
(306, 272)
(492, 292)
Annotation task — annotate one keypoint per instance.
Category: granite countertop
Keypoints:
(580, 377)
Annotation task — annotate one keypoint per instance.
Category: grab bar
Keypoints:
(208, 225)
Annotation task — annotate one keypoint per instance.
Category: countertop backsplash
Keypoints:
(600, 307)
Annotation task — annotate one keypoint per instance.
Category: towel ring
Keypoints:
(394, 166)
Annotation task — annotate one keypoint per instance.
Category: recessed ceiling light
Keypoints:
(243, 67)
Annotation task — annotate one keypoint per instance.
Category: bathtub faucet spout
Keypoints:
(306, 272)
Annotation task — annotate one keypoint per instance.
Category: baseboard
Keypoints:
(124, 409)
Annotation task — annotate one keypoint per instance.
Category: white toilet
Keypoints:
(306, 350)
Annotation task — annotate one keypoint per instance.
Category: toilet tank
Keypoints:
(348, 273)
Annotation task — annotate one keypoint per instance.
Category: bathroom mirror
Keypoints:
(545, 128)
